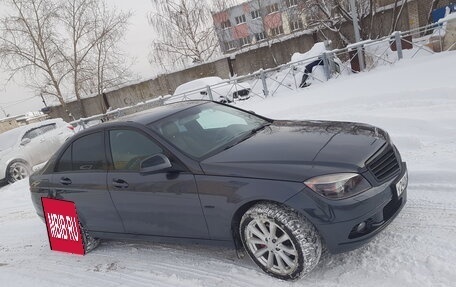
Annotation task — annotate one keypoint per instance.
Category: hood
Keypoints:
(5, 152)
(296, 151)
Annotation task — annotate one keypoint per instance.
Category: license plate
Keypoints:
(401, 185)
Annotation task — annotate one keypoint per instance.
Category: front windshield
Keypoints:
(204, 129)
(8, 139)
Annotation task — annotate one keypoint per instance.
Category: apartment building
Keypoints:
(258, 20)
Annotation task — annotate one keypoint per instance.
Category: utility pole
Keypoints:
(357, 34)
(44, 102)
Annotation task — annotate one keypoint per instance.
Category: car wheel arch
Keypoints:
(237, 216)
(16, 160)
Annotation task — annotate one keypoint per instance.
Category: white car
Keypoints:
(25, 147)
(221, 90)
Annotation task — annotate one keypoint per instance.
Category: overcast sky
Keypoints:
(15, 99)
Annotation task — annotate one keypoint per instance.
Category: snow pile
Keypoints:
(314, 52)
(414, 100)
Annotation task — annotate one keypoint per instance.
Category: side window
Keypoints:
(64, 163)
(47, 128)
(32, 133)
(89, 153)
(129, 148)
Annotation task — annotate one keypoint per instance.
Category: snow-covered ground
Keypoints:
(415, 100)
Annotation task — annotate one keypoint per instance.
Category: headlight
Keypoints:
(339, 185)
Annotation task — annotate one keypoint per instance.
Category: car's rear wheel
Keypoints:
(17, 171)
(280, 241)
(90, 243)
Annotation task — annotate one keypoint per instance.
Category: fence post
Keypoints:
(397, 36)
(293, 69)
(265, 85)
(326, 65)
(209, 93)
(81, 123)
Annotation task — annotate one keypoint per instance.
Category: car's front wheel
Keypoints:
(17, 171)
(280, 241)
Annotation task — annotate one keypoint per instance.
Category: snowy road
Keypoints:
(417, 249)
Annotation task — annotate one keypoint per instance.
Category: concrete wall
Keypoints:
(140, 92)
(271, 56)
(8, 124)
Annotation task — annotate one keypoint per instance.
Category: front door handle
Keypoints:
(65, 181)
(119, 183)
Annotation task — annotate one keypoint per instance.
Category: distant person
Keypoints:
(308, 69)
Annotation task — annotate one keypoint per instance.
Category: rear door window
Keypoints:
(86, 153)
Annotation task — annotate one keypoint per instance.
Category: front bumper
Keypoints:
(336, 220)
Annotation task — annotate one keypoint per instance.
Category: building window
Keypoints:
(240, 19)
(272, 8)
(291, 3)
(277, 31)
(244, 41)
(230, 45)
(255, 14)
(260, 36)
(296, 25)
(226, 24)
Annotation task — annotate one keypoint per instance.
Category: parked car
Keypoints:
(205, 171)
(27, 146)
(221, 90)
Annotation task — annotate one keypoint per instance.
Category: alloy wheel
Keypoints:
(18, 172)
(271, 246)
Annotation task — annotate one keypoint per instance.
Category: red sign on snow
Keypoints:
(62, 226)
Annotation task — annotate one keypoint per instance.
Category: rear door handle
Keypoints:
(65, 181)
(119, 183)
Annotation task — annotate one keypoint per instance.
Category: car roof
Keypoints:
(197, 84)
(157, 113)
(28, 127)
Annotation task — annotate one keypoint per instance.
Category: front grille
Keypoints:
(384, 165)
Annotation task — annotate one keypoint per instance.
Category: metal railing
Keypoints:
(419, 42)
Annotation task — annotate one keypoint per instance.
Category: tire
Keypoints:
(287, 246)
(17, 171)
(90, 243)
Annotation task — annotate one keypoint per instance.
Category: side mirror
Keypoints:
(25, 141)
(154, 163)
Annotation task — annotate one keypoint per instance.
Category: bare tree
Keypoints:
(330, 15)
(432, 6)
(112, 67)
(184, 31)
(61, 46)
(93, 32)
(77, 23)
(397, 12)
(29, 45)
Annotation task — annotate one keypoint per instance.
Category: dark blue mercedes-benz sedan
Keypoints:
(202, 171)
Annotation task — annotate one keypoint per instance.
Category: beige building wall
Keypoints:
(6, 125)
